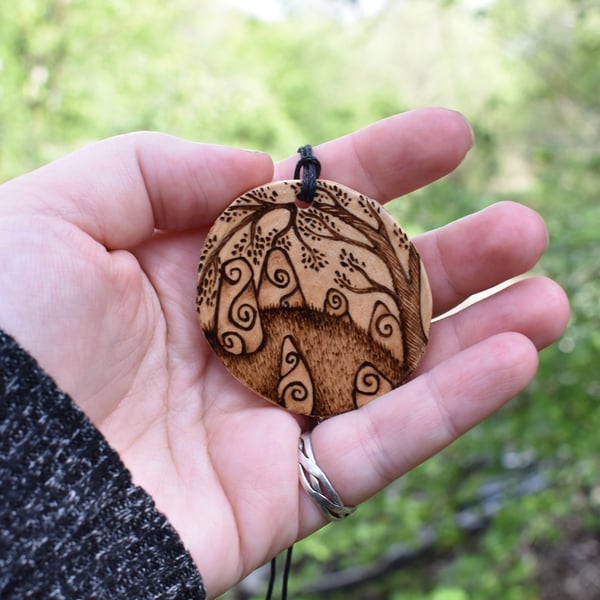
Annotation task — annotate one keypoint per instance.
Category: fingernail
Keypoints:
(471, 131)
(251, 151)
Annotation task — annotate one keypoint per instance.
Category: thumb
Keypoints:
(121, 189)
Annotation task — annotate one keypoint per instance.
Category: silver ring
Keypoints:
(316, 484)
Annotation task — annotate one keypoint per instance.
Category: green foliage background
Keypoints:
(526, 74)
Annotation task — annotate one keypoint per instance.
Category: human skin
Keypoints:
(99, 253)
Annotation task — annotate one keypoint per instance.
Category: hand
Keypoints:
(99, 253)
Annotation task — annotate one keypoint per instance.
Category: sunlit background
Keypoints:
(511, 511)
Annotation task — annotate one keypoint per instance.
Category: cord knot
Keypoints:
(311, 169)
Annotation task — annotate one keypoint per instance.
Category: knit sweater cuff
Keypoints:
(72, 524)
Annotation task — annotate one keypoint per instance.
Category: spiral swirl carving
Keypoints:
(295, 389)
(279, 285)
(280, 277)
(369, 383)
(290, 360)
(368, 380)
(383, 323)
(239, 327)
(386, 329)
(233, 342)
(336, 303)
(234, 270)
(243, 315)
(386, 325)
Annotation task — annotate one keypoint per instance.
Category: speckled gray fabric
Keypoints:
(72, 524)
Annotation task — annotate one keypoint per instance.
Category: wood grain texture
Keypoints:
(317, 309)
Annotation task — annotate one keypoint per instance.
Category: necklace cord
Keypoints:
(311, 169)
(271, 578)
(286, 575)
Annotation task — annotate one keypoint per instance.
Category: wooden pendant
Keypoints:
(317, 309)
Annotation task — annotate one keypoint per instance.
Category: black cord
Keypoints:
(311, 169)
(271, 578)
(286, 575)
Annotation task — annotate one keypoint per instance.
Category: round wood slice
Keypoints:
(317, 309)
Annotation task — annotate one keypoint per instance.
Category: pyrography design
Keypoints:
(318, 309)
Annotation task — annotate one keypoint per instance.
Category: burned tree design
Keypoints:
(337, 287)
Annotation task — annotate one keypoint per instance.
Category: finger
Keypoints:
(480, 251)
(535, 307)
(121, 189)
(394, 156)
(363, 451)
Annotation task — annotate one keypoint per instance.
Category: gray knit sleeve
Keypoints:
(72, 524)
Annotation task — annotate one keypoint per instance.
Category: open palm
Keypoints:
(99, 253)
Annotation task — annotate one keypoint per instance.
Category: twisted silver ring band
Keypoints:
(316, 484)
